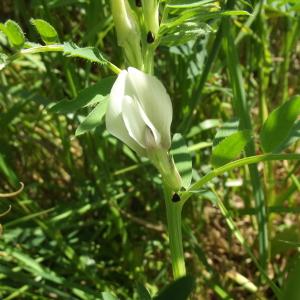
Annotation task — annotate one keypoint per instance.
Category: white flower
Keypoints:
(139, 113)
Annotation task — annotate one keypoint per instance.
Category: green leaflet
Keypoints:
(45, 30)
(279, 125)
(92, 54)
(182, 159)
(230, 147)
(94, 118)
(88, 96)
(13, 32)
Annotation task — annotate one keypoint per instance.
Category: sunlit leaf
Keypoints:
(94, 118)
(45, 30)
(189, 3)
(92, 54)
(185, 32)
(230, 147)
(182, 159)
(279, 125)
(108, 296)
(292, 137)
(226, 129)
(86, 97)
(13, 32)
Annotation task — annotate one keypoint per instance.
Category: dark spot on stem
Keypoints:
(150, 37)
(175, 197)
(138, 3)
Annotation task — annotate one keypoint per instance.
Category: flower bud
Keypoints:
(151, 16)
(128, 32)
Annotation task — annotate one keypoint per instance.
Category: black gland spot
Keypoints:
(138, 3)
(175, 197)
(150, 37)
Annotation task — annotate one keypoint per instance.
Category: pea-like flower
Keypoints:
(140, 114)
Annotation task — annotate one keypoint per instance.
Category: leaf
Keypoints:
(45, 30)
(94, 118)
(291, 289)
(205, 125)
(143, 293)
(34, 267)
(185, 32)
(89, 53)
(194, 15)
(182, 159)
(279, 124)
(189, 3)
(86, 97)
(292, 137)
(179, 289)
(236, 13)
(229, 148)
(227, 129)
(108, 296)
(13, 32)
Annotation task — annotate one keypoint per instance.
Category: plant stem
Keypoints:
(49, 48)
(230, 166)
(173, 210)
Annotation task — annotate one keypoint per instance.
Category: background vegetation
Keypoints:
(91, 217)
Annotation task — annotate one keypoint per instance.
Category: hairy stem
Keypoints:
(49, 48)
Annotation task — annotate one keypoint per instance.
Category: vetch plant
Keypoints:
(138, 109)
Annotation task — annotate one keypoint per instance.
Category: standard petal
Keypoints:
(117, 93)
(114, 120)
(154, 101)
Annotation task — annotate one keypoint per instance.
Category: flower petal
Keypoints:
(117, 93)
(154, 101)
(114, 120)
(133, 120)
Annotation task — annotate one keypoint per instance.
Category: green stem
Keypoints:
(228, 167)
(175, 234)
(40, 49)
(50, 48)
(149, 60)
(113, 67)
